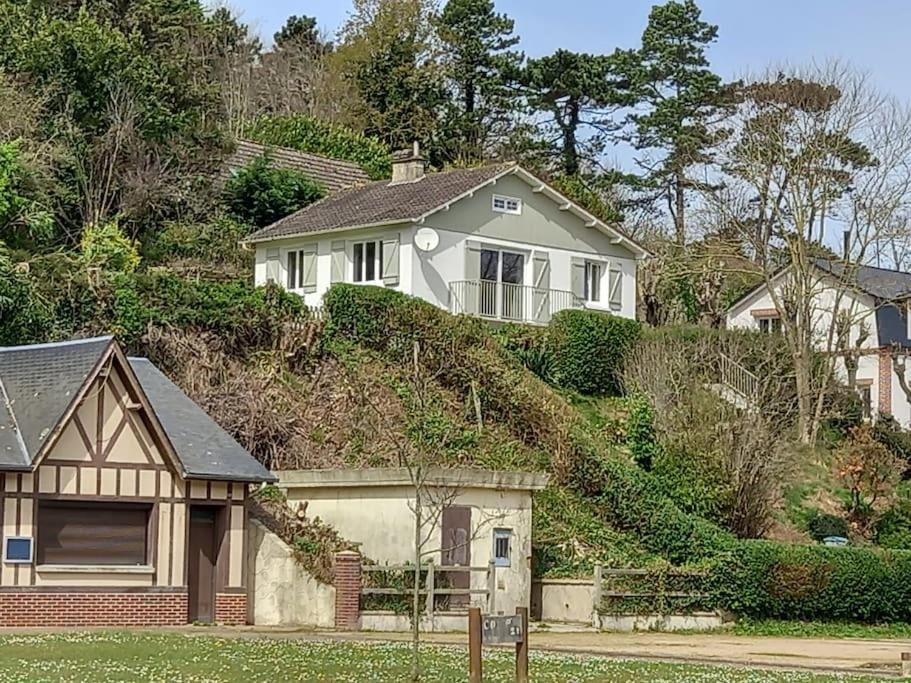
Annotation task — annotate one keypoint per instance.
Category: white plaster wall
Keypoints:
(861, 309)
(280, 592)
(381, 520)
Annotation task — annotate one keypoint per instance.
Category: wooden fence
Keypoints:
(649, 591)
(436, 584)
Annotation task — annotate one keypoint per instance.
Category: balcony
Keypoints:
(505, 302)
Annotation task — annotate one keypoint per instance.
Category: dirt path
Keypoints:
(846, 655)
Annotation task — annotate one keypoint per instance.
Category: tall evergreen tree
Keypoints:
(683, 103)
(576, 95)
(479, 67)
(299, 32)
(388, 53)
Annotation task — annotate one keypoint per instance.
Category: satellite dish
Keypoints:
(426, 239)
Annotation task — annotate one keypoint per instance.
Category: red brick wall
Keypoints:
(231, 609)
(347, 581)
(98, 608)
(885, 381)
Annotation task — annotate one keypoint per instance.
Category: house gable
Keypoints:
(541, 223)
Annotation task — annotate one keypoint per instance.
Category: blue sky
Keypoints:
(870, 34)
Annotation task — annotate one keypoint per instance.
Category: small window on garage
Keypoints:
(17, 549)
(502, 547)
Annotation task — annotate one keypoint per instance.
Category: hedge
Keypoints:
(308, 134)
(589, 350)
(768, 580)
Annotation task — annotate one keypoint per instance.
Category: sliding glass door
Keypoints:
(502, 277)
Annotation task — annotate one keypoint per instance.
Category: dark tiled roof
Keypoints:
(332, 174)
(881, 283)
(39, 382)
(381, 202)
(206, 450)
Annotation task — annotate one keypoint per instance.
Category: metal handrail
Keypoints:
(507, 302)
(738, 379)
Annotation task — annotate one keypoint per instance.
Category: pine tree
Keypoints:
(684, 103)
(480, 67)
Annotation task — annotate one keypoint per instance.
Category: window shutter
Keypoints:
(472, 260)
(578, 277)
(308, 268)
(540, 297)
(391, 261)
(338, 262)
(470, 291)
(273, 266)
(615, 297)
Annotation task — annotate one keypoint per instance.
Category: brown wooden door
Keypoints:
(456, 531)
(202, 550)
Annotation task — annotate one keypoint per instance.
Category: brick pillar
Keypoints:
(885, 381)
(347, 590)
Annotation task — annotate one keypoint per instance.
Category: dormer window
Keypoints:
(504, 204)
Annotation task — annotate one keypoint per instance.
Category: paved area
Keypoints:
(847, 655)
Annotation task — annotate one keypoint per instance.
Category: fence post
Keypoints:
(430, 582)
(491, 587)
(347, 581)
(597, 595)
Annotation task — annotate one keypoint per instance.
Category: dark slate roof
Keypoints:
(39, 384)
(206, 451)
(381, 202)
(881, 283)
(332, 174)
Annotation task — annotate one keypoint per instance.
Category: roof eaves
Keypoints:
(341, 228)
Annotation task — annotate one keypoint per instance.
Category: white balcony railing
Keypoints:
(507, 302)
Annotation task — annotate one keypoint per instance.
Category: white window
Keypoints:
(502, 547)
(504, 204)
(592, 285)
(17, 549)
(770, 325)
(367, 258)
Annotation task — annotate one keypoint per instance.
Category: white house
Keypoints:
(494, 241)
(872, 299)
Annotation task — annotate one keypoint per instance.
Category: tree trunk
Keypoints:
(570, 153)
(679, 208)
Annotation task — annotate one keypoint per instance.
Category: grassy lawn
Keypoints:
(817, 629)
(175, 658)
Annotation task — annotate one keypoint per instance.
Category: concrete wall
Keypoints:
(381, 520)
(542, 227)
(280, 592)
(563, 600)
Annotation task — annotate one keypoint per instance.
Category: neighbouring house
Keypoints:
(122, 502)
(332, 174)
(874, 301)
(493, 241)
(479, 520)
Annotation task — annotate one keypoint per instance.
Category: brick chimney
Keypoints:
(407, 165)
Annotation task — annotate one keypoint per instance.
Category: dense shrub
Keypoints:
(821, 526)
(241, 314)
(776, 581)
(25, 317)
(888, 432)
(640, 430)
(319, 137)
(589, 350)
(528, 345)
(261, 194)
(105, 246)
(214, 240)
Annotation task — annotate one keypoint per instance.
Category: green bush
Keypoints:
(528, 345)
(640, 430)
(105, 246)
(319, 137)
(25, 316)
(243, 315)
(888, 432)
(821, 526)
(589, 350)
(261, 194)
(214, 240)
(768, 580)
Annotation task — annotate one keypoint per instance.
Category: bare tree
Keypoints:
(818, 173)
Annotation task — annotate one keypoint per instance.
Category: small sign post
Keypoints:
(497, 630)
